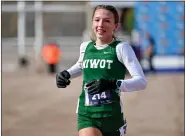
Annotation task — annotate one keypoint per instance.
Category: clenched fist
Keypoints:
(62, 79)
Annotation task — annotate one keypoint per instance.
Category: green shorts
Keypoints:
(109, 126)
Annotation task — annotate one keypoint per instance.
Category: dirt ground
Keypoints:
(33, 106)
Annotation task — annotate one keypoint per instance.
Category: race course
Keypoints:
(32, 105)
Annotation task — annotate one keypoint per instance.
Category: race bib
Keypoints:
(98, 99)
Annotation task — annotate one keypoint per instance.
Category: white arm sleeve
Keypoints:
(127, 56)
(76, 69)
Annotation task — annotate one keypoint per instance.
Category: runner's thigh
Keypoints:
(89, 131)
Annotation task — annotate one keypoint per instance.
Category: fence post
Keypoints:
(38, 39)
(21, 33)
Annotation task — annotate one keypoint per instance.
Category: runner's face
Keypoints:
(103, 24)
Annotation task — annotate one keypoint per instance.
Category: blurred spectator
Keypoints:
(51, 55)
(135, 43)
(150, 51)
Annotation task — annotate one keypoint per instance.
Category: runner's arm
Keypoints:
(76, 69)
(127, 56)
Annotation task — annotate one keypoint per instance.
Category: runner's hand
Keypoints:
(101, 85)
(62, 79)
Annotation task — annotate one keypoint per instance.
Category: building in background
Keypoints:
(30, 26)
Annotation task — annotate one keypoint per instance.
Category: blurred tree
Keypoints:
(129, 20)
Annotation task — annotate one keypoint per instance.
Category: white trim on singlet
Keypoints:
(126, 56)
